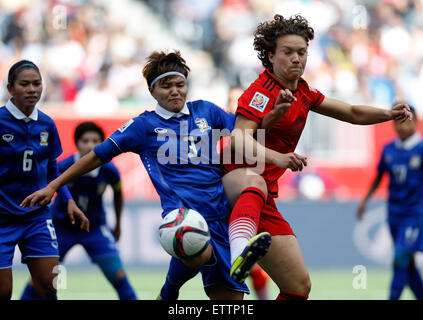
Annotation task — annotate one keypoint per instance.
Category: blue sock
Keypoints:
(29, 293)
(47, 298)
(110, 265)
(177, 275)
(415, 282)
(399, 281)
(124, 289)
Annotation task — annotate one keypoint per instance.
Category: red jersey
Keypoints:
(256, 102)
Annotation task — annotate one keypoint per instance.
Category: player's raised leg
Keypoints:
(247, 193)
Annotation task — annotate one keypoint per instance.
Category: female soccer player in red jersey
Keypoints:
(281, 94)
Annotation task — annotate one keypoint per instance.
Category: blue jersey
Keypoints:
(403, 162)
(28, 145)
(87, 191)
(179, 154)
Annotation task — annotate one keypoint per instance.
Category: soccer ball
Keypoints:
(184, 233)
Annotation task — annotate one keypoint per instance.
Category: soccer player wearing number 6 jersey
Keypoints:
(100, 242)
(29, 146)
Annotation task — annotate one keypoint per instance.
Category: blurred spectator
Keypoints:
(97, 98)
(314, 184)
(369, 52)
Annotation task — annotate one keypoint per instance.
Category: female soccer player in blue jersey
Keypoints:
(402, 160)
(177, 146)
(88, 190)
(29, 146)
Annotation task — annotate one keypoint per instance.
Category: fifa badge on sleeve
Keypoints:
(259, 101)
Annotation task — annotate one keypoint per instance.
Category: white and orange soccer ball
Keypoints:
(184, 233)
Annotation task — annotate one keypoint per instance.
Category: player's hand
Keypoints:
(292, 161)
(284, 101)
(360, 211)
(75, 212)
(40, 198)
(401, 112)
(116, 232)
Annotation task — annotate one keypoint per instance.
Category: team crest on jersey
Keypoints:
(202, 124)
(44, 138)
(7, 137)
(259, 101)
(126, 125)
(415, 162)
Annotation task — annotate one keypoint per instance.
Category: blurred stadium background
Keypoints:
(91, 53)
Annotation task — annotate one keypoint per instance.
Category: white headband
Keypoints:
(166, 74)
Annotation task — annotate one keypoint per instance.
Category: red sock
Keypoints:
(287, 295)
(245, 215)
(259, 277)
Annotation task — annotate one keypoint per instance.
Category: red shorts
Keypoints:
(271, 220)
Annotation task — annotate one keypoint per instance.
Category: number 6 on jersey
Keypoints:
(27, 161)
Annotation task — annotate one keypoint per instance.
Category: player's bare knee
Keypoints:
(304, 285)
(307, 286)
(299, 284)
(120, 274)
(258, 182)
(199, 261)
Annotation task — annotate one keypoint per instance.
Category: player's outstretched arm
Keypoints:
(361, 114)
(43, 196)
(243, 134)
(363, 205)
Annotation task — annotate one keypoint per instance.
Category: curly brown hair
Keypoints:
(267, 34)
(162, 62)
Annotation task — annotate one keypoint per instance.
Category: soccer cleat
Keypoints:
(255, 249)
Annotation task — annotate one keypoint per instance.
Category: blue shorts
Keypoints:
(98, 242)
(34, 233)
(407, 236)
(219, 271)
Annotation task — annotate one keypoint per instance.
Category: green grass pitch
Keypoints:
(327, 284)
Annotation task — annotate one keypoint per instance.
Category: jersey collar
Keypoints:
(19, 115)
(271, 75)
(166, 114)
(408, 143)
